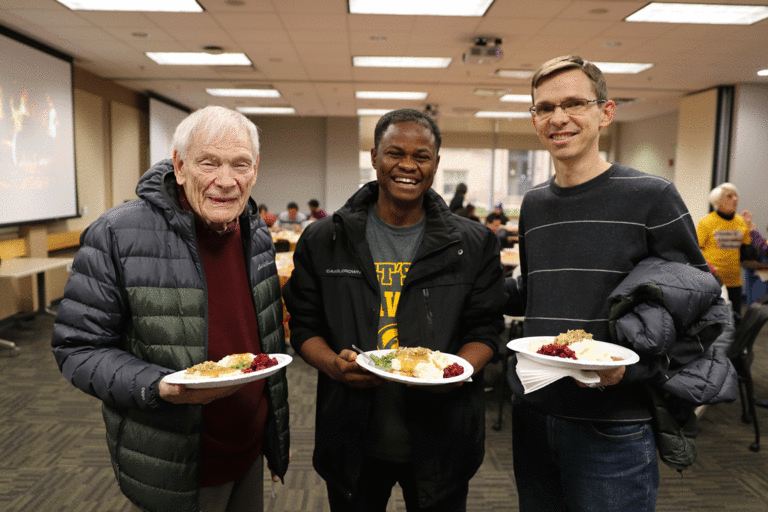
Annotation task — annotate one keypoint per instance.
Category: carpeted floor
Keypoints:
(53, 455)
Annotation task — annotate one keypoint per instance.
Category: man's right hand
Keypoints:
(341, 367)
(180, 394)
(344, 368)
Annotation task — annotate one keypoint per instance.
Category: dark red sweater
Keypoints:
(233, 426)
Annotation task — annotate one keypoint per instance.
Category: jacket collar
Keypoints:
(441, 228)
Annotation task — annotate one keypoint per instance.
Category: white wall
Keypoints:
(649, 145)
(695, 151)
(749, 151)
(126, 152)
(292, 162)
(342, 167)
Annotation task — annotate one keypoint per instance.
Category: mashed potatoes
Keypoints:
(589, 350)
(420, 362)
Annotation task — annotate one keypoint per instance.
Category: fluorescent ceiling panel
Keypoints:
(266, 110)
(245, 93)
(514, 73)
(619, 68)
(133, 5)
(712, 14)
(421, 7)
(516, 98)
(401, 62)
(762, 72)
(372, 111)
(508, 115)
(199, 59)
(390, 95)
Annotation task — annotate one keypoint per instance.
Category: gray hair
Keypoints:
(210, 123)
(717, 193)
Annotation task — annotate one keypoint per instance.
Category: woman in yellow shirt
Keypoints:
(725, 241)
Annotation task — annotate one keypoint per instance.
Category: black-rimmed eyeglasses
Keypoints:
(571, 107)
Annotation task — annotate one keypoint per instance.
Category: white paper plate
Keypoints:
(230, 379)
(627, 356)
(365, 363)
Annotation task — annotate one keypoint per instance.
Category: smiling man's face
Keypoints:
(405, 160)
(217, 176)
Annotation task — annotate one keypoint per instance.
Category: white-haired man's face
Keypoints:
(217, 176)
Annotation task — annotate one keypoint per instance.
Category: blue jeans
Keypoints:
(570, 466)
(378, 477)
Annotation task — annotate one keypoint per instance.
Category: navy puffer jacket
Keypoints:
(670, 314)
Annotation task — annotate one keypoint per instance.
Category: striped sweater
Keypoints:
(576, 245)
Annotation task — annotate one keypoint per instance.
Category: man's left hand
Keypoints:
(607, 377)
(180, 394)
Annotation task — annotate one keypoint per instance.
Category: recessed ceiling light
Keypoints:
(199, 59)
(133, 5)
(401, 62)
(762, 72)
(372, 111)
(488, 92)
(714, 14)
(420, 7)
(507, 115)
(245, 93)
(266, 110)
(516, 98)
(390, 95)
(519, 74)
(622, 68)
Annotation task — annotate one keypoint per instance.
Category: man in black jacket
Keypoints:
(394, 267)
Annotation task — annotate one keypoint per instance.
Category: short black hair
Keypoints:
(293, 206)
(314, 203)
(406, 115)
(263, 208)
(492, 217)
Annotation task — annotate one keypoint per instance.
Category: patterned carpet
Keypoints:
(53, 455)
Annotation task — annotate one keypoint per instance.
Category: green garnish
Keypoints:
(383, 362)
(241, 365)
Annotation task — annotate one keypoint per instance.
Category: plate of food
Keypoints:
(229, 371)
(416, 365)
(574, 349)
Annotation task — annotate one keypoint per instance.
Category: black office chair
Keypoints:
(514, 331)
(282, 245)
(742, 355)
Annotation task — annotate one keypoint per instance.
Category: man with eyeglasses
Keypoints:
(578, 448)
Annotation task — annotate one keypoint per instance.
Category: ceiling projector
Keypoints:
(486, 50)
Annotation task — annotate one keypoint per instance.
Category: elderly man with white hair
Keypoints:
(184, 274)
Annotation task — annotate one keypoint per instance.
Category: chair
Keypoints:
(742, 355)
(514, 331)
(282, 245)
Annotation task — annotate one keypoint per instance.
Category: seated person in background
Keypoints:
(314, 210)
(269, 218)
(506, 239)
(499, 210)
(468, 212)
(758, 242)
(292, 219)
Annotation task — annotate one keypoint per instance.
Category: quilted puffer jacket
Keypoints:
(670, 314)
(135, 310)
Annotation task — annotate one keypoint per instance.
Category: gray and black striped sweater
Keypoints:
(576, 245)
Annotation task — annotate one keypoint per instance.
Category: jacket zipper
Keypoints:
(430, 318)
